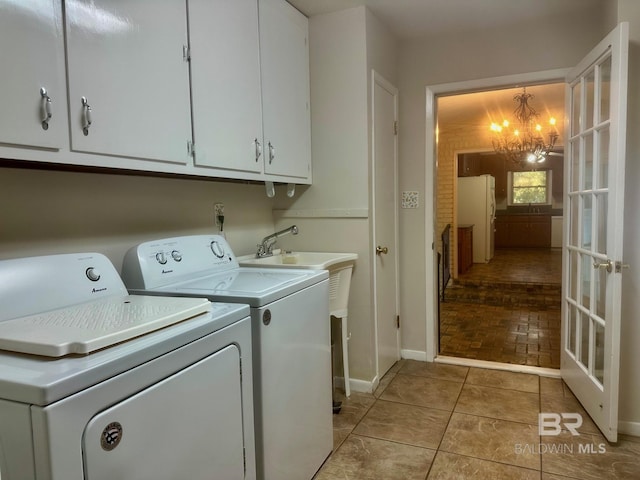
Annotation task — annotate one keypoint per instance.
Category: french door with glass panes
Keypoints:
(594, 171)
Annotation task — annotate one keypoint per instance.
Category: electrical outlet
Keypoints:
(218, 210)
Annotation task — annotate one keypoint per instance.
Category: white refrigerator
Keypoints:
(477, 207)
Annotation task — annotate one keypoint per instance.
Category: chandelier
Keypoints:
(523, 143)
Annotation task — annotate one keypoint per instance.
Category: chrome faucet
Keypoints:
(265, 248)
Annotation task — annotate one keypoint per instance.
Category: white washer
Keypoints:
(291, 341)
(172, 399)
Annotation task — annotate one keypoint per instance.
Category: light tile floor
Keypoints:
(444, 422)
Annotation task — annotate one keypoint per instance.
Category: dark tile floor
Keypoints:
(507, 310)
(429, 421)
(518, 265)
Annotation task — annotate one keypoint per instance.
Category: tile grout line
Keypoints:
(448, 422)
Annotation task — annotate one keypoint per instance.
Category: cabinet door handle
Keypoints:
(86, 114)
(46, 108)
(272, 153)
(258, 149)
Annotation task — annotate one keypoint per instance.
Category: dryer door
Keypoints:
(189, 425)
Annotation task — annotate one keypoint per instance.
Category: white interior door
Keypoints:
(385, 97)
(594, 182)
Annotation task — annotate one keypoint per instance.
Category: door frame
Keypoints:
(431, 155)
(376, 78)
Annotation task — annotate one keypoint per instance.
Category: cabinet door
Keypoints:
(225, 84)
(32, 58)
(467, 165)
(126, 58)
(502, 233)
(540, 231)
(285, 89)
(518, 231)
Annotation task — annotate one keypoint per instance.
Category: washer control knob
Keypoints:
(93, 274)
(217, 249)
(176, 255)
(161, 258)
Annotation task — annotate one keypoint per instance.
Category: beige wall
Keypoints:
(477, 55)
(560, 43)
(338, 66)
(629, 10)
(334, 213)
(46, 212)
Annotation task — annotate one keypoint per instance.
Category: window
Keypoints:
(530, 187)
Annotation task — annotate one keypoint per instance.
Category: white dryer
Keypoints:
(99, 384)
(291, 341)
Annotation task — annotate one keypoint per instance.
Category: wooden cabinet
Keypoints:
(501, 238)
(32, 58)
(539, 231)
(523, 231)
(465, 247)
(496, 168)
(128, 60)
(225, 84)
(468, 165)
(284, 64)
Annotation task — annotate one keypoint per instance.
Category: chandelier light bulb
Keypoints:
(524, 144)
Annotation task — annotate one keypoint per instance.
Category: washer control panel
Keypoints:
(160, 262)
(37, 284)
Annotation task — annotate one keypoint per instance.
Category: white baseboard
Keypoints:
(361, 386)
(509, 367)
(414, 355)
(629, 428)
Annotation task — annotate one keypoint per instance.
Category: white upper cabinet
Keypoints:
(32, 92)
(128, 78)
(284, 61)
(225, 84)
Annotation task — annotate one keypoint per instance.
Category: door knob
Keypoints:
(380, 250)
(608, 266)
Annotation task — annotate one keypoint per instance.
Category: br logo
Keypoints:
(551, 424)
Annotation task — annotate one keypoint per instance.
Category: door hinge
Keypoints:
(186, 53)
(397, 321)
(191, 149)
(395, 127)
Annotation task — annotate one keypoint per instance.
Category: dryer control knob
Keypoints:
(176, 255)
(161, 258)
(217, 249)
(93, 274)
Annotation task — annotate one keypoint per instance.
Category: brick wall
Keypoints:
(453, 140)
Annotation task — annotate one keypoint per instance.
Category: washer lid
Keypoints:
(91, 326)
(254, 286)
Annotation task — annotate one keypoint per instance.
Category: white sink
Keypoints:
(314, 260)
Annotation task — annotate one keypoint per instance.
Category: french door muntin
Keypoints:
(596, 124)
